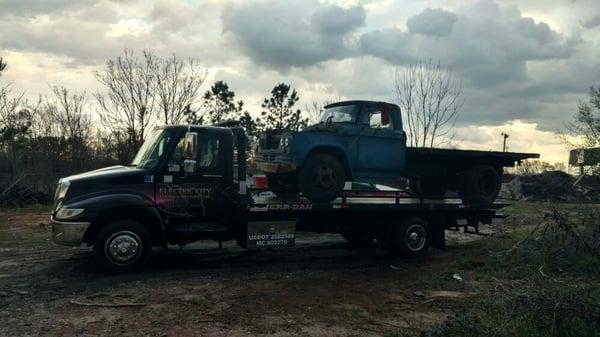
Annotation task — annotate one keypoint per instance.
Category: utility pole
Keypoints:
(504, 135)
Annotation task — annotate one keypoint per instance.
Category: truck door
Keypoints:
(381, 146)
(202, 192)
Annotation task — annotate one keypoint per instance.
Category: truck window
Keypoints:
(207, 159)
(373, 118)
(339, 114)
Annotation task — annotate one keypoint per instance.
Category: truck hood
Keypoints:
(111, 173)
(103, 180)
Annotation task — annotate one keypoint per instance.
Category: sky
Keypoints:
(524, 64)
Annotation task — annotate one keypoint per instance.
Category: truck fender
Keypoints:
(106, 208)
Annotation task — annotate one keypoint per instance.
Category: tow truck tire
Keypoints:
(122, 246)
(321, 178)
(282, 184)
(480, 184)
(412, 238)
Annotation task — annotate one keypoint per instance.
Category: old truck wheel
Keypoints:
(122, 246)
(283, 183)
(480, 184)
(321, 178)
(433, 188)
(411, 238)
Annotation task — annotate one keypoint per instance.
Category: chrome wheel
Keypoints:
(123, 247)
(416, 236)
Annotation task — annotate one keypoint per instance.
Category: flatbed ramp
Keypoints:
(272, 220)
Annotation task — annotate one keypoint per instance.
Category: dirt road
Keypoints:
(321, 287)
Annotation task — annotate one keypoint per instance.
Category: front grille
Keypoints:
(268, 157)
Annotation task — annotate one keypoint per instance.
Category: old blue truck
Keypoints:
(364, 141)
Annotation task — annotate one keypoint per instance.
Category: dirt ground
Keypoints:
(321, 287)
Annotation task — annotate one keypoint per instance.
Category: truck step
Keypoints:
(200, 231)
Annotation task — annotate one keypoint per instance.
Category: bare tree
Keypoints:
(68, 113)
(314, 110)
(2, 65)
(177, 86)
(584, 130)
(430, 98)
(128, 103)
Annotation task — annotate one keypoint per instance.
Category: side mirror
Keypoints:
(190, 145)
(189, 153)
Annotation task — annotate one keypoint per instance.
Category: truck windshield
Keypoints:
(339, 114)
(152, 150)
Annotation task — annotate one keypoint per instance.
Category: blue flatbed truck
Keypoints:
(189, 183)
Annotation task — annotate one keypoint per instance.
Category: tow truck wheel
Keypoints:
(122, 246)
(322, 178)
(412, 238)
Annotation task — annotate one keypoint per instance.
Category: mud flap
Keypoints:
(438, 233)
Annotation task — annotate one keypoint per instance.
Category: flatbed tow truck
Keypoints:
(189, 183)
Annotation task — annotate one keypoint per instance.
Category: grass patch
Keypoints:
(540, 281)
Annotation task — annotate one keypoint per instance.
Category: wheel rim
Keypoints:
(123, 247)
(486, 185)
(323, 178)
(416, 235)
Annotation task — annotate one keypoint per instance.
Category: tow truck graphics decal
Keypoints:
(281, 207)
(179, 199)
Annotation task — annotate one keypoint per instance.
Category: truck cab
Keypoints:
(351, 141)
(180, 187)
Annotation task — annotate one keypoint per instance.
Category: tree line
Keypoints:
(56, 135)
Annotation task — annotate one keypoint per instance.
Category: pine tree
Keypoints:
(280, 113)
(220, 103)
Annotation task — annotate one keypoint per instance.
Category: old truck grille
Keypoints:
(268, 157)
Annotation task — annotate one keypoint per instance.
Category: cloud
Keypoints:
(277, 34)
(432, 22)
(591, 22)
(335, 20)
(485, 43)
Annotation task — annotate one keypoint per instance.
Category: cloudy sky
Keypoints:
(524, 63)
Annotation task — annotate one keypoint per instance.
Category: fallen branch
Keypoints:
(109, 305)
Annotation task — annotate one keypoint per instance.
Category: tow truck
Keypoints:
(190, 183)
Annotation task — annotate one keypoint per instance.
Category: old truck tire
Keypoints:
(283, 183)
(321, 178)
(480, 184)
(122, 246)
(432, 188)
(411, 238)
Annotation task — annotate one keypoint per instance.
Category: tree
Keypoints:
(71, 121)
(2, 65)
(430, 98)
(585, 128)
(128, 103)
(178, 83)
(220, 103)
(280, 113)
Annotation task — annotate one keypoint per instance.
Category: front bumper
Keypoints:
(274, 162)
(68, 233)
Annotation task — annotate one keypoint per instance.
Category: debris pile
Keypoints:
(19, 196)
(551, 186)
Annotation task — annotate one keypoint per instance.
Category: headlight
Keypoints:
(61, 191)
(67, 213)
(284, 142)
